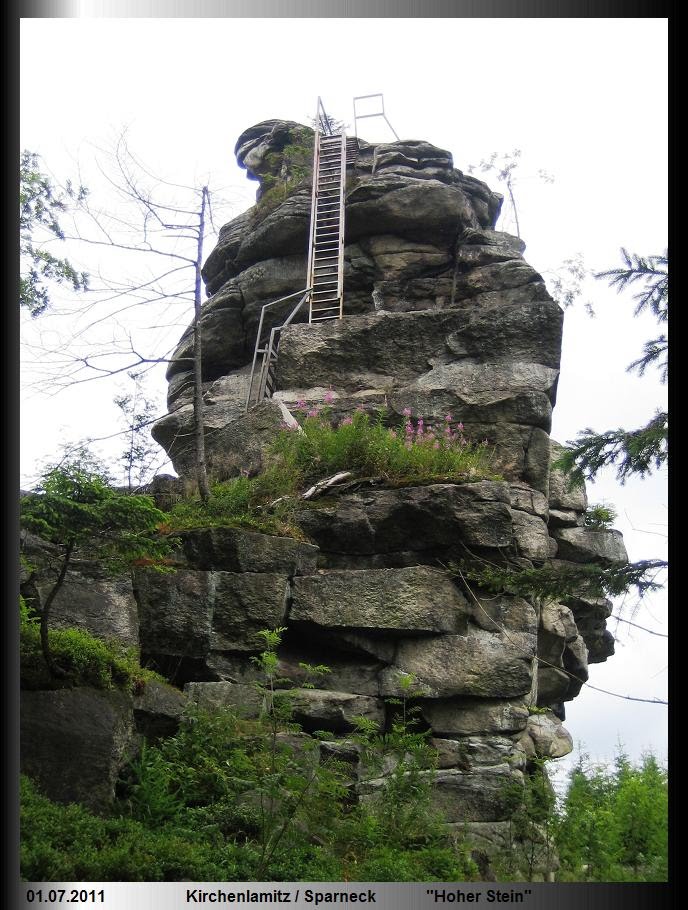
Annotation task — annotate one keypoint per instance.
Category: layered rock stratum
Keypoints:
(442, 315)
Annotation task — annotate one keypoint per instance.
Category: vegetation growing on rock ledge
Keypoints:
(85, 659)
(317, 448)
(561, 581)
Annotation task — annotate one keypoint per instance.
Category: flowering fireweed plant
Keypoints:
(413, 452)
(317, 448)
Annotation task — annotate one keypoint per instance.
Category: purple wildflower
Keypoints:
(301, 404)
(347, 421)
(329, 396)
(406, 412)
(313, 412)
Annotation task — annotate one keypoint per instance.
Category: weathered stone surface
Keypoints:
(166, 491)
(228, 392)
(74, 742)
(565, 518)
(237, 550)
(320, 709)
(399, 204)
(398, 601)
(528, 500)
(561, 494)
(463, 716)
(244, 604)
(481, 393)
(471, 751)
(254, 146)
(575, 660)
(492, 665)
(348, 671)
(494, 612)
(552, 686)
(88, 598)
(238, 442)
(224, 345)
(590, 614)
(585, 545)
(434, 517)
(442, 315)
(550, 739)
(158, 710)
(531, 537)
(557, 628)
(189, 613)
(245, 699)
(175, 611)
(481, 794)
(338, 352)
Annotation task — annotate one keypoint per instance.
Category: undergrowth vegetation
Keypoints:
(85, 659)
(233, 799)
(365, 446)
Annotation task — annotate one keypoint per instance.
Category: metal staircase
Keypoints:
(324, 291)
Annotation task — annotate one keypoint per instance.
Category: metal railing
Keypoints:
(323, 122)
(269, 348)
(380, 113)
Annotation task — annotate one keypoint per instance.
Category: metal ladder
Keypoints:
(324, 289)
(331, 154)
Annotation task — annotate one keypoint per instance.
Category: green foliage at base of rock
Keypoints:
(86, 660)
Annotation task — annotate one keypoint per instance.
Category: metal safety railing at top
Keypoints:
(379, 113)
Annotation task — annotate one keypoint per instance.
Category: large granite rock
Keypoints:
(75, 742)
(394, 601)
(442, 316)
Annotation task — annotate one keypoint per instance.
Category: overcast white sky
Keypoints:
(584, 99)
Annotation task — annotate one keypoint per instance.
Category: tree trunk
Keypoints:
(201, 471)
(55, 669)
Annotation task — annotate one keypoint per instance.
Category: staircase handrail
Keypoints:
(268, 345)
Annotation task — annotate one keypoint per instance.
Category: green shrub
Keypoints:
(87, 660)
(411, 453)
(600, 516)
(69, 843)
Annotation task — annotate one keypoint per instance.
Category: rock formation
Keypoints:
(442, 314)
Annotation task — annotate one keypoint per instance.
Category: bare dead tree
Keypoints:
(157, 229)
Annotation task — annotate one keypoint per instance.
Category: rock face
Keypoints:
(442, 315)
(474, 330)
